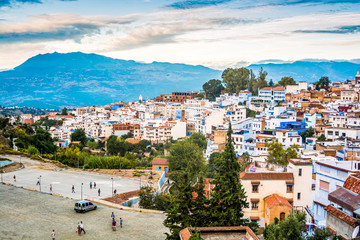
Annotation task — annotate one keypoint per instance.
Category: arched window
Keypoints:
(282, 216)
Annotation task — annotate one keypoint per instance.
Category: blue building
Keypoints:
(297, 126)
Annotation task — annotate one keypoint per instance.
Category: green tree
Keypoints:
(64, 111)
(211, 166)
(200, 95)
(199, 140)
(286, 81)
(322, 138)
(279, 155)
(213, 89)
(260, 81)
(79, 135)
(292, 227)
(235, 79)
(146, 197)
(307, 133)
(43, 142)
(186, 157)
(179, 215)
(320, 234)
(32, 150)
(250, 113)
(199, 211)
(228, 198)
(245, 161)
(271, 83)
(116, 146)
(323, 83)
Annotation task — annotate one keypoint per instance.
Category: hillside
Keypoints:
(77, 79)
(310, 71)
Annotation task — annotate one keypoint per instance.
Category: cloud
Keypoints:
(57, 27)
(10, 3)
(338, 30)
(189, 4)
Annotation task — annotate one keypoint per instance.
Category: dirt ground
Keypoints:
(32, 215)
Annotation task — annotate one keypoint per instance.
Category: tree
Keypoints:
(320, 234)
(286, 81)
(260, 81)
(199, 140)
(245, 161)
(199, 210)
(200, 95)
(250, 113)
(32, 150)
(322, 138)
(43, 142)
(278, 155)
(64, 111)
(228, 198)
(146, 197)
(235, 79)
(79, 135)
(271, 83)
(323, 83)
(307, 133)
(186, 157)
(292, 227)
(213, 89)
(211, 166)
(178, 216)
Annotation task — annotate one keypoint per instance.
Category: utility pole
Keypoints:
(78, 160)
(112, 186)
(82, 191)
(55, 160)
(2, 180)
(40, 182)
(20, 158)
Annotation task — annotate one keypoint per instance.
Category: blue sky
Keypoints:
(214, 33)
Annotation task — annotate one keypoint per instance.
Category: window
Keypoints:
(330, 133)
(324, 185)
(300, 171)
(337, 133)
(255, 187)
(289, 188)
(282, 216)
(298, 140)
(254, 204)
(299, 196)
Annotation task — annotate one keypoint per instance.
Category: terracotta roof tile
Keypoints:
(268, 176)
(353, 183)
(160, 161)
(275, 200)
(186, 232)
(341, 215)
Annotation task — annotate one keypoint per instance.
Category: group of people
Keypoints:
(91, 187)
(113, 222)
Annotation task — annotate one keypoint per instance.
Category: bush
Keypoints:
(32, 150)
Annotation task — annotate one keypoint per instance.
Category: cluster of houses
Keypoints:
(324, 181)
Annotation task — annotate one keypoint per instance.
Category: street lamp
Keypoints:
(20, 158)
(2, 180)
(40, 182)
(82, 191)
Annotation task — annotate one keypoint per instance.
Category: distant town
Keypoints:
(294, 147)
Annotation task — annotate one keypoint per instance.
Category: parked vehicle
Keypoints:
(84, 206)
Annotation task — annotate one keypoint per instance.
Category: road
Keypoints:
(62, 180)
(32, 215)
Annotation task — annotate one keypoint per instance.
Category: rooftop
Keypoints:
(160, 161)
(220, 233)
(275, 200)
(341, 215)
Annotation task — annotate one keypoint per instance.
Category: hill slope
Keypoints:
(77, 79)
(309, 71)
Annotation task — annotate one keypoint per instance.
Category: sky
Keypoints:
(213, 33)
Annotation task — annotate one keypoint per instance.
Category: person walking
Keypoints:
(38, 181)
(113, 224)
(94, 185)
(14, 178)
(50, 187)
(99, 192)
(79, 229)
(120, 222)
(53, 234)
(72, 189)
(112, 215)
(82, 227)
(90, 185)
(115, 192)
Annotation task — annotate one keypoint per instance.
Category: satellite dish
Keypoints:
(355, 232)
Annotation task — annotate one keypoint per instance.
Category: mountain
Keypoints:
(310, 70)
(76, 79)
